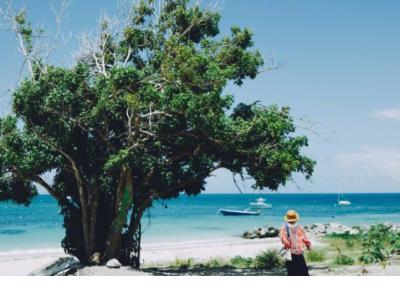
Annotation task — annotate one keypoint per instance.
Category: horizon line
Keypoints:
(279, 193)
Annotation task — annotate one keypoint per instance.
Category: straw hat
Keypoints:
(291, 216)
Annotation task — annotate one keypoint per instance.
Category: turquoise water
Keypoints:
(196, 218)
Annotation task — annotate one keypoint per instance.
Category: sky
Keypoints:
(339, 72)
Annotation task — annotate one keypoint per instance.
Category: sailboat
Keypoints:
(343, 202)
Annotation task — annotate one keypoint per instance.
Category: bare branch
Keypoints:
(11, 17)
(147, 132)
(155, 113)
(31, 41)
(60, 14)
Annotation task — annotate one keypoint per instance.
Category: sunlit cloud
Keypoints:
(393, 114)
(379, 163)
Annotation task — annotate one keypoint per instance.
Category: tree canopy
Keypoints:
(141, 116)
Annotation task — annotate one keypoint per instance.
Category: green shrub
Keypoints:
(395, 243)
(315, 256)
(344, 236)
(215, 263)
(349, 243)
(268, 260)
(343, 260)
(378, 243)
(182, 264)
(240, 262)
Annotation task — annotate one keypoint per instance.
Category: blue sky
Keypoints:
(341, 72)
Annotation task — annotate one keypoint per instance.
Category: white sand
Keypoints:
(104, 271)
(24, 262)
(206, 249)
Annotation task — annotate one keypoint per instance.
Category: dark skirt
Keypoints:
(297, 266)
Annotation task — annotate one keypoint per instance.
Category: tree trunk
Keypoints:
(87, 243)
(102, 226)
(130, 249)
(123, 204)
(130, 252)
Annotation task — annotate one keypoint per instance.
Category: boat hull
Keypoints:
(226, 212)
(344, 203)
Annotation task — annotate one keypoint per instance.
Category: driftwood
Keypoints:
(60, 267)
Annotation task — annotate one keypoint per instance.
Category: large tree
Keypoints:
(141, 116)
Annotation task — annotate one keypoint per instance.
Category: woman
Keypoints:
(294, 238)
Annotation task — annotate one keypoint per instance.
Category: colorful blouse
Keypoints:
(294, 237)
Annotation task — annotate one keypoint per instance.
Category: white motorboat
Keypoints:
(260, 204)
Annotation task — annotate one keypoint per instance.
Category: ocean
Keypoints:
(39, 226)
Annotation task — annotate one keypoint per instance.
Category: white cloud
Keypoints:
(393, 114)
(378, 163)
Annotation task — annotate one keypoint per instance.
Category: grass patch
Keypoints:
(347, 239)
(315, 256)
(182, 264)
(343, 244)
(241, 262)
(215, 263)
(344, 236)
(341, 260)
(268, 260)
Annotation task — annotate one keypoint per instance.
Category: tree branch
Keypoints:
(80, 181)
(39, 180)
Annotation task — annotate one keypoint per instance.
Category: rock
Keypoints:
(334, 225)
(250, 235)
(396, 228)
(263, 232)
(95, 259)
(60, 267)
(113, 263)
(318, 229)
(354, 231)
(365, 227)
(272, 232)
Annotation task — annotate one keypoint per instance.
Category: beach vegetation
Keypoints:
(182, 264)
(342, 259)
(241, 262)
(263, 261)
(141, 115)
(315, 256)
(345, 241)
(215, 263)
(379, 243)
(268, 260)
(345, 236)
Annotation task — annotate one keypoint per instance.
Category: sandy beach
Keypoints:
(204, 250)
(20, 263)
(24, 262)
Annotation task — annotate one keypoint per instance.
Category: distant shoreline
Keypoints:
(285, 193)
